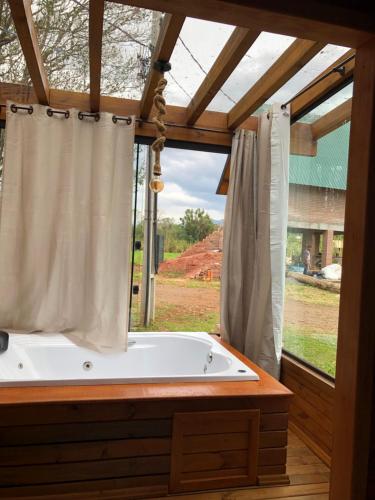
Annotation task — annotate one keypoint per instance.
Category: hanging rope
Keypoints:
(158, 145)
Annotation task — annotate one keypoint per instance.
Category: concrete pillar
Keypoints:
(327, 248)
(311, 238)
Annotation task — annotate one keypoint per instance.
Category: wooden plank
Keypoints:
(302, 141)
(211, 128)
(221, 468)
(168, 36)
(329, 23)
(83, 471)
(332, 120)
(299, 53)
(125, 487)
(234, 50)
(83, 451)
(24, 24)
(319, 90)
(34, 434)
(222, 459)
(272, 456)
(96, 16)
(266, 493)
(356, 341)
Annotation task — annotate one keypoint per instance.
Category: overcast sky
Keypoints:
(191, 177)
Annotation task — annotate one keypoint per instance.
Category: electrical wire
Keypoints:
(202, 69)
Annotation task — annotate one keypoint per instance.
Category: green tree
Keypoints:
(196, 224)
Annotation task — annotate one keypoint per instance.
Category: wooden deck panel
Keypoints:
(309, 480)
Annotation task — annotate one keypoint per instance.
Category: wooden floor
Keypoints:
(309, 480)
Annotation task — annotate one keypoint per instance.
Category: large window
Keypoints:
(315, 244)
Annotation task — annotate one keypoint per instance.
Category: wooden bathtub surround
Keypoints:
(142, 440)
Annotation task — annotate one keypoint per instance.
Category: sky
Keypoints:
(191, 177)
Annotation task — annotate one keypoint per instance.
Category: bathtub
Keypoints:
(52, 359)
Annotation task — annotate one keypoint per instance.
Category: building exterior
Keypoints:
(317, 187)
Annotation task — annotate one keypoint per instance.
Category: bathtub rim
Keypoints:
(265, 386)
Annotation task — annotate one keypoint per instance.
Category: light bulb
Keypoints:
(156, 185)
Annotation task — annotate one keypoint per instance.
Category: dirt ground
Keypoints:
(193, 299)
(318, 317)
(196, 298)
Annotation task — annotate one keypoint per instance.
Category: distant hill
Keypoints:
(218, 222)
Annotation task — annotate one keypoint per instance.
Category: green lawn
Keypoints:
(312, 346)
(310, 294)
(177, 321)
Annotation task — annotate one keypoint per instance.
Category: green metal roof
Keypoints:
(329, 167)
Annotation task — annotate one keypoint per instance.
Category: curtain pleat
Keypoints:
(255, 224)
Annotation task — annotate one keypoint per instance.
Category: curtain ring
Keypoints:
(14, 108)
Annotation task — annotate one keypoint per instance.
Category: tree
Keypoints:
(196, 224)
(62, 28)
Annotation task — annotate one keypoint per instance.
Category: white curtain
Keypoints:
(65, 226)
(255, 229)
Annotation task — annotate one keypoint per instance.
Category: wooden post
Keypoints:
(354, 419)
(327, 247)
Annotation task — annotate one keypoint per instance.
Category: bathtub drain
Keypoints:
(87, 365)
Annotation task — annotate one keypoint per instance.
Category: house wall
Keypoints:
(316, 208)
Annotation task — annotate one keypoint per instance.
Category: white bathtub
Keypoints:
(52, 359)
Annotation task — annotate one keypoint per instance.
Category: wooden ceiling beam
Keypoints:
(168, 36)
(332, 120)
(299, 53)
(96, 17)
(234, 50)
(25, 28)
(211, 128)
(316, 93)
(313, 20)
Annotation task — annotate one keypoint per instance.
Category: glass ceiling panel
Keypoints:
(129, 35)
(197, 48)
(62, 32)
(262, 54)
(329, 104)
(327, 56)
(12, 62)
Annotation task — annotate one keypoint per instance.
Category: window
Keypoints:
(317, 190)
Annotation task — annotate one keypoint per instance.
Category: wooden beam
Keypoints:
(332, 120)
(96, 16)
(313, 20)
(24, 24)
(223, 185)
(287, 65)
(301, 143)
(211, 128)
(318, 91)
(168, 36)
(234, 50)
(352, 475)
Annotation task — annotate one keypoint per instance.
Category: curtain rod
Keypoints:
(340, 68)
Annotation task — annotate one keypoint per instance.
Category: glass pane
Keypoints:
(129, 34)
(308, 73)
(140, 165)
(317, 189)
(12, 62)
(262, 54)
(196, 50)
(189, 244)
(328, 105)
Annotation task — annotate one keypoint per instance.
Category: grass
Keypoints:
(179, 321)
(312, 346)
(310, 294)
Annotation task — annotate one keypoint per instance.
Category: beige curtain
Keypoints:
(255, 225)
(65, 226)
